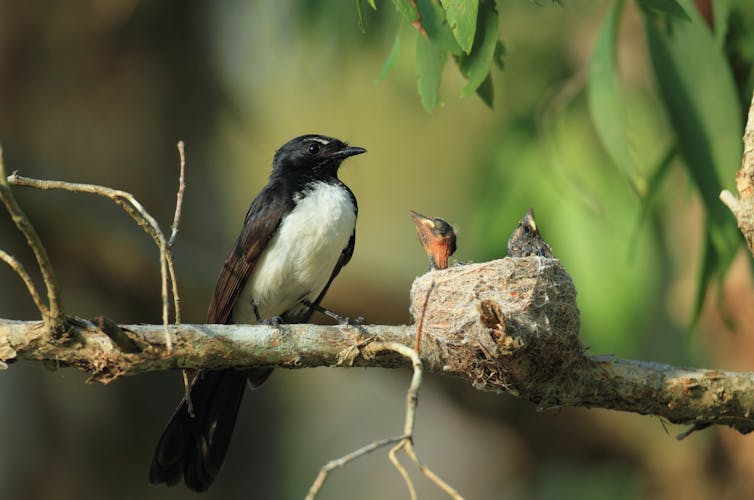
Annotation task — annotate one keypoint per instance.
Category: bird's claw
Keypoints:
(346, 321)
(273, 321)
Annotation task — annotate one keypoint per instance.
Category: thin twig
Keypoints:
(344, 460)
(405, 442)
(137, 212)
(55, 315)
(401, 469)
(371, 350)
(451, 492)
(179, 196)
(19, 268)
(412, 399)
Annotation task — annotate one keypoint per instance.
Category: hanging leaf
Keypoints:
(391, 58)
(430, 61)
(700, 97)
(720, 15)
(372, 4)
(653, 188)
(461, 16)
(606, 102)
(486, 91)
(664, 7)
(360, 13)
(408, 10)
(499, 56)
(476, 66)
(436, 26)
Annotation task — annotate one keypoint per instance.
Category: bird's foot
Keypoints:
(345, 320)
(273, 321)
(342, 320)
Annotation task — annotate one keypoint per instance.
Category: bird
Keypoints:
(437, 237)
(526, 240)
(297, 235)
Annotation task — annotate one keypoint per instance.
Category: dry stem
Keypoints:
(405, 442)
(19, 268)
(179, 196)
(139, 214)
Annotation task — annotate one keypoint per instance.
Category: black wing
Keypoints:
(262, 219)
(195, 446)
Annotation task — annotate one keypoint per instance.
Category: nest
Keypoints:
(507, 324)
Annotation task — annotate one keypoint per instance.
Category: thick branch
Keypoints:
(743, 206)
(508, 325)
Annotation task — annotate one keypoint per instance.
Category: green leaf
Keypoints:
(666, 7)
(408, 9)
(461, 16)
(701, 100)
(499, 56)
(372, 4)
(391, 58)
(707, 273)
(720, 14)
(436, 26)
(476, 66)
(606, 102)
(486, 91)
(360, 12)
(430, 60)
(653, 187)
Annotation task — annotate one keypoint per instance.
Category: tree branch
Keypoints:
(138, 213)
(743, 206)
(509, 325)
(52, 314)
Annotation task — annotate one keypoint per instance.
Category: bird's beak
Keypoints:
(422, 223)
(348, 151)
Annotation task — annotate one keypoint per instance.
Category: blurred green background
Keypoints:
(101, 91)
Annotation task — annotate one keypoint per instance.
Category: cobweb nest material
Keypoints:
(509, 324)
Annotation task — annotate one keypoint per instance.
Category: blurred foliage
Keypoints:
(617, 121)
(693, 75)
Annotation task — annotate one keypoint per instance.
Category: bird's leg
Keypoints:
(343, 320)
(274, 321)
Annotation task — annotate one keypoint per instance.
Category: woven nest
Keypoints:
(508, 323)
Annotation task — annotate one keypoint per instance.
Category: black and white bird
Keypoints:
(297, 235)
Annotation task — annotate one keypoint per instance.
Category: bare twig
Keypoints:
(55, 316)
(139, 214)
(405, 441)
(407, 444)
(19, 268)
(344, 460)
(179, 196)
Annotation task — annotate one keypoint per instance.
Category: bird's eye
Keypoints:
(313, 148)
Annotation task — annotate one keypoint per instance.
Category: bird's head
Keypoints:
(312, 157)
(437, 237)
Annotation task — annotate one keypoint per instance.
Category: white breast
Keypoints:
(301, 256)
